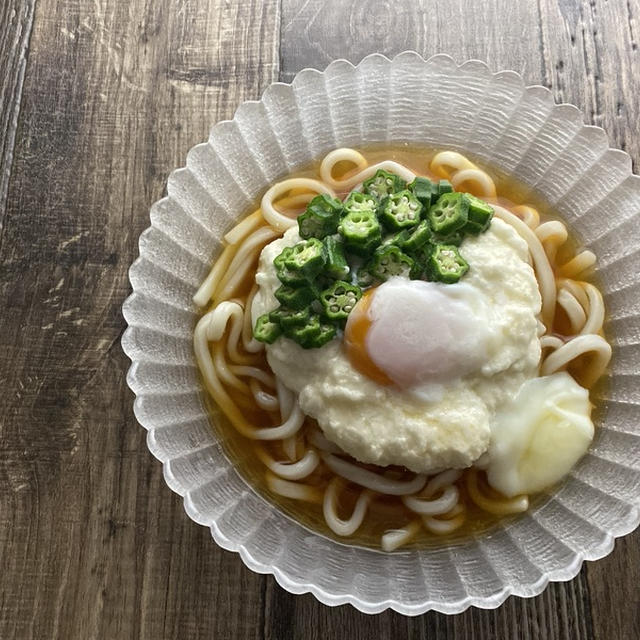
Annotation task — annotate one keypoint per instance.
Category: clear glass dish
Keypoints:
(515, 129)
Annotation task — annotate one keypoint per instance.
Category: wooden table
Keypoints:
(100, 100)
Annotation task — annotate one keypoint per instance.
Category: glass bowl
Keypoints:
(514, 129)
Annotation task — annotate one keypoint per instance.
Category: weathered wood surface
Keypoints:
(99, 101)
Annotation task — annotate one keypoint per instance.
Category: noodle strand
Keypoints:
(447, 163)
(498, 506)
(546, 279)
(447, 522)
(335, 157)
(371, 480)
(244, 228)
(576, 347)
(396, 538)
(578, 265)
(277, 220)
(329, 508)
(475, 182)
(207, 288)
(290, 470)
(528, 214)
(293, 490)
(364, 172)
(242, 262)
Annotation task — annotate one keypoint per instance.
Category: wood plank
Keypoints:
(315, 32)
(561, 612)
(590, 53)
(16, 23)
(92, 543)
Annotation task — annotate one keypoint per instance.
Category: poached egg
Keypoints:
(419, 335)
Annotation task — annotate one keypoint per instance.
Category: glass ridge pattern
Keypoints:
(499, 121)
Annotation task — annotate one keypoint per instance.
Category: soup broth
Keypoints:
(385, 512)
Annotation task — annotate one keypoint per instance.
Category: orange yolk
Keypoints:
(355, 335)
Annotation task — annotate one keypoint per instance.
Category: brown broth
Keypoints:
(385, 513)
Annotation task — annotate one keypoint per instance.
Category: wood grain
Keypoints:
(99, 101)
(92, 543)
(16, 18)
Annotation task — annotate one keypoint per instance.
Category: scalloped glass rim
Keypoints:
(515, 129)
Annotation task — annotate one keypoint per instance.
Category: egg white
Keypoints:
(386, 425)
(425, 334)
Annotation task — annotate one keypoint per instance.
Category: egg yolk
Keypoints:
(355, 334)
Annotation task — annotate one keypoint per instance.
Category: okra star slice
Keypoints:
(421, 259)
(444, 186)
(454, 238)
(364, 277)
(284, 273)
(307, 257)
(357, 202)
(400, 210)
(266, 330)
(417, 238)
(327, 333)
(295, 298)
(336, 265)
(398, 239)
(320, 218)
(382, 184)
(288, 318)
(390, 261)
(446, 264)
(480, 214)
(361, 231)
(449, 213)
(303, 334)
(425, 190)
(339, 299)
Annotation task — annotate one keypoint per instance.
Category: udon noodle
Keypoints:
(299, 462)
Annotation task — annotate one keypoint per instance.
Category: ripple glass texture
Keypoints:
(514, 129)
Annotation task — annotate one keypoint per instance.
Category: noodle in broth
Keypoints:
(284, 453)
